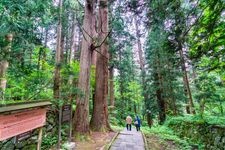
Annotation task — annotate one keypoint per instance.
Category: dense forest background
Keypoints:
(158, 59)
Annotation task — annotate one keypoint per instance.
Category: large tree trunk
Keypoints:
(140, 53)
(190, 105)
(99, 120)
(159, 94)
(56, 88)
(4, 64)
(78, 46)
(143, 71)
(81, 116)
(73, 41)
(111, 86)
(161, 103)
(62, 45)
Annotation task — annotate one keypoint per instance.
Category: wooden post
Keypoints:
(39, 138)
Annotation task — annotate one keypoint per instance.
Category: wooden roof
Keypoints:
(21, 106)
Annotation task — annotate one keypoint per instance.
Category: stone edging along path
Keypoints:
(107, 147)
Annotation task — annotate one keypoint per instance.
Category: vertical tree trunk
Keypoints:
(97, 29)
(174, 106)
(73, 38)
(3, 67)
(140, 53)
(149, 119)
(111, 70)
(190, 106)
(39, 58)
(62, 45)
(159, 94)
(78, 46)
(56, 88)
(4, 64)
(143, 71)
(95, 35)
(99, 120)
(160, 101)
(45, 45)
(81, 116)
(111, 86)
(202, 107)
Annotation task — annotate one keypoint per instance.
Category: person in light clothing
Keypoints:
(129, 122)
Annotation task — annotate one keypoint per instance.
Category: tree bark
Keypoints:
(99, 120)
(140, 53)
(62, 45)
(159, 96)
(142, 63)
(149, 119)
(78, 46)
(111, 86)
(190, 105)
(56, 87)
(81, 116)
(161, 103)
(73, 38)
(4, 64)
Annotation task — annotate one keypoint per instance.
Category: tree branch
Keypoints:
(197, 20)
(102, 41)
(100, 53)
(80, 4)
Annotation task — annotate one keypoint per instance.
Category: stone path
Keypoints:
(128, 140)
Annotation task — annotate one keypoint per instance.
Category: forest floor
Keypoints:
(163, 138)
(154, 142)
(97, 141)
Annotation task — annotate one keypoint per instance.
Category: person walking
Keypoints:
(137, 123)
(129, 122)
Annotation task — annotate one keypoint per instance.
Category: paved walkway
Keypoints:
(128, 140)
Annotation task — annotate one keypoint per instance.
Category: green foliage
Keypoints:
(209, 93)
(49, 141)
(117, 128)
(213, 120)
(69, 75)
(199, 130)
(208, 34)
(162, 73)
(34, 80)
(166, 133)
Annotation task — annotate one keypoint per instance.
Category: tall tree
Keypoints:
(179, 38)
(81, 116)
(99, 120)
(58, 55)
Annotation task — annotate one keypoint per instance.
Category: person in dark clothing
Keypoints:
(137, 123)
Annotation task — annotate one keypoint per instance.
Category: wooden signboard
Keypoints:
(66, 113)
(23, 136)
(18, 123)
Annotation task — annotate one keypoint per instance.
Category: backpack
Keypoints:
(136, 122)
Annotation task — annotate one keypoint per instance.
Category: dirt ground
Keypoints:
(155, 143)
(97, 141)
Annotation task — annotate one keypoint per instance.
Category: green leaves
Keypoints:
(208, 35)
